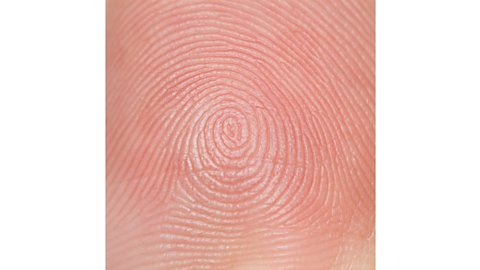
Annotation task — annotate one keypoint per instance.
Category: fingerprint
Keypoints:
(240, 137)
(243, 113)
(245, 156)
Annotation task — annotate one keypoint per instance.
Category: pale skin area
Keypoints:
(240, 134)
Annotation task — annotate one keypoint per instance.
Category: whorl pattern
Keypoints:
(244, 107)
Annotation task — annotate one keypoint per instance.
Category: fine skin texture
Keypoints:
(240, 134)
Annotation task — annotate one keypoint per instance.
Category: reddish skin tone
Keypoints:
(240, 134)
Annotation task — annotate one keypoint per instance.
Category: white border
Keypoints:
(52, 121)
(428, 134)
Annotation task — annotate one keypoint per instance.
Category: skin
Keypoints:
(240, 134)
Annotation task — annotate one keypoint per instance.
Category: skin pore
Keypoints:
(240, 134)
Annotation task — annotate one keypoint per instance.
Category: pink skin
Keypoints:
(240, 134)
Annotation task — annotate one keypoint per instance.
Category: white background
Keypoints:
(428, 134)
(52, 139)
(52, 132)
